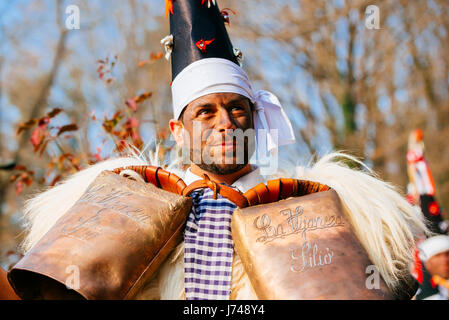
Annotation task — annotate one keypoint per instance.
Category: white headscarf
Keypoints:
(215, 75)
(433, 246)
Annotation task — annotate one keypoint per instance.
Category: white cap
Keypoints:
(433, 246)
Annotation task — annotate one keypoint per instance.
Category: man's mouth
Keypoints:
(225, 143)
(224, 146)
(229, 142)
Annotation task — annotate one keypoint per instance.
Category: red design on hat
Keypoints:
(168, 7)
(208, 2)
(225, 15)
(202, 44)
(433, 208)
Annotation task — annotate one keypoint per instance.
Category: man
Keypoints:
(422, 186)
(421, 193)
(221, 123)
(434, 253)
(215, 107)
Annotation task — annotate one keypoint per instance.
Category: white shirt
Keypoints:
(244, 183)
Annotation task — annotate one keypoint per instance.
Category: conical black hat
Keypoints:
(199, 32)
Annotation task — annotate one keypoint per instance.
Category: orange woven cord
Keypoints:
(180, 185)
(227, 192)
(151, 175)
(323, 187)
(262, 193)
(274, 190)
(251, 197)
(235, 196)
(163, 177)
(302, 187)
(280, 189)
(288, 188)
(211, 185)
(310, 187)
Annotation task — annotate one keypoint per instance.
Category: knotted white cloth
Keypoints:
(215, 75)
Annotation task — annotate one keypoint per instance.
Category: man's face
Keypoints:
(216, 130)
(439, 265)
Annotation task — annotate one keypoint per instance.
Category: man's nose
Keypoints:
(224, 121)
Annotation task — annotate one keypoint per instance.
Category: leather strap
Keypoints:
(158, 177)
(280, 189)
(274, 190)
(225, 191)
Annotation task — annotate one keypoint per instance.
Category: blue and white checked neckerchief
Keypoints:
(209, 247)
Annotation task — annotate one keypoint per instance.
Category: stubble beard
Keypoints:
(226, 168)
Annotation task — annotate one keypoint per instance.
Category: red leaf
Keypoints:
(20, 167)
(55, 179)
(27, 181)
(117, 116)
(26, 125)
(135, 136)
(133, 122)
(19, 187)
(121, 145)
(162, 134)
(67, 128)
(36, 137)
(43, 146)
(142, 63)
(144, 96)
(156, 56)
(97, 156)
(54, 112)
(43, 122)
(131, 103)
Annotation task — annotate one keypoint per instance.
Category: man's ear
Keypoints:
(177, 128)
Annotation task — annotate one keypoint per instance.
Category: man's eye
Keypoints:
(203, 112)
(237, 108)
(238, 111)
